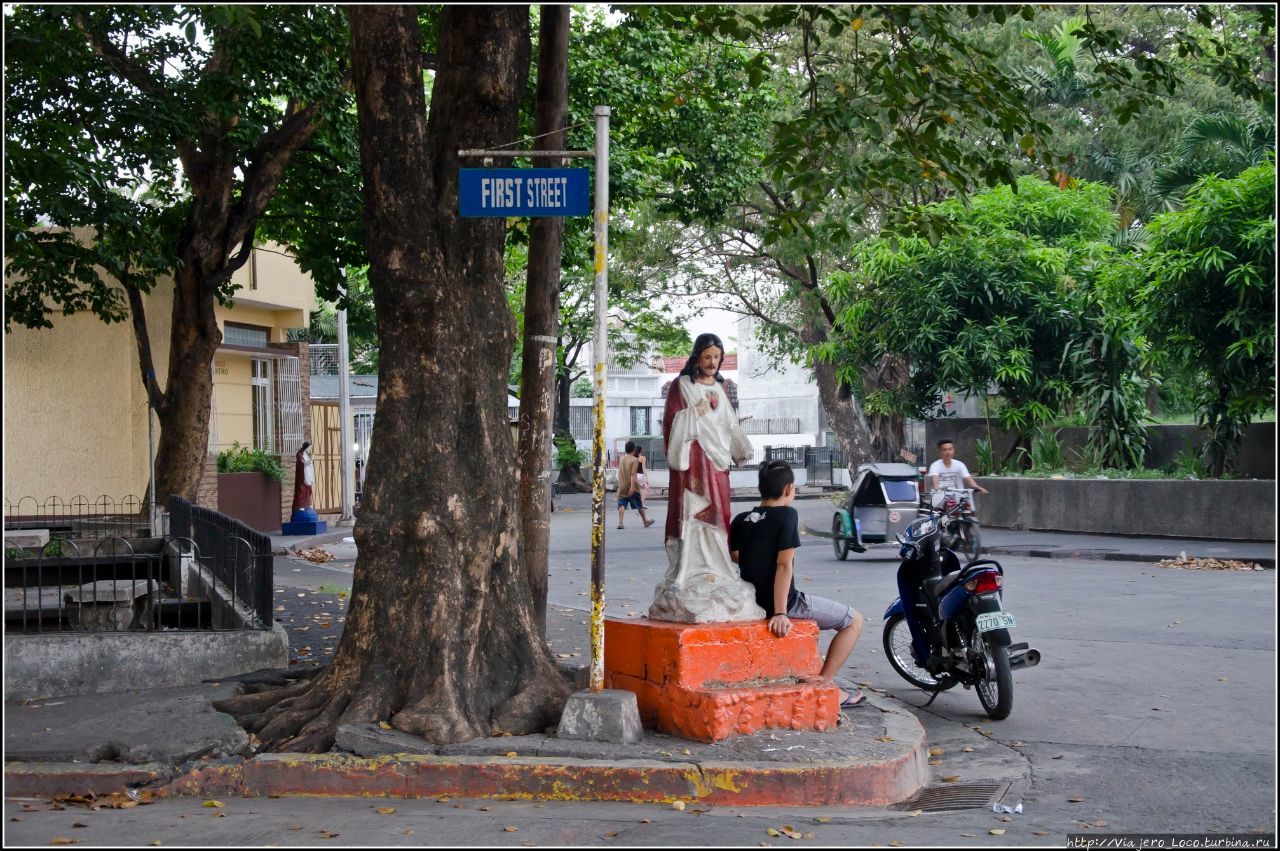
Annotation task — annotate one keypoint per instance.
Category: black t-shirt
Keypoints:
(758, 536)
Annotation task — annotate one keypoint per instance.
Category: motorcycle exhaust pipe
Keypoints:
(1027, 659)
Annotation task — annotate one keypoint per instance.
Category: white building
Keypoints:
(780, 400)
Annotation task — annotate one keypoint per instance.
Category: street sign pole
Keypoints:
(509, 192)
(600, 349)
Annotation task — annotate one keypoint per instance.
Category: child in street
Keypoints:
(762, 542)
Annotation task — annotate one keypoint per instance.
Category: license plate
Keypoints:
(995, 620)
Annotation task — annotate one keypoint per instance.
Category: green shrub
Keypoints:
(568, 453)
(242, 459)
(1046, 451)
(984, 457)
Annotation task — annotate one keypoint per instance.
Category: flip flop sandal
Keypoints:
(855, 698)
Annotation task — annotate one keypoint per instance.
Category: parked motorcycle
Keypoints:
(955, 630)
(960, 530)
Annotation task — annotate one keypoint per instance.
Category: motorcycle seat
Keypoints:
(939, 587)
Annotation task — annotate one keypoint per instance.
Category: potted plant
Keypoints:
(249, 487)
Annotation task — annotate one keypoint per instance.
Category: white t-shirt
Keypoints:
(949, 477)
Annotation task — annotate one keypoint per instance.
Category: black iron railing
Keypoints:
(239, 557)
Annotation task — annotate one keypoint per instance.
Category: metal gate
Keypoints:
(326, 456)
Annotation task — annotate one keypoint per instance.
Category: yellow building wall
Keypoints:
(75, 412)
(232, 373)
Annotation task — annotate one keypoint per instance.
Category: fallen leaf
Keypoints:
(823, 819)
(1101, 823)
(646, 821)
(884, 738)
(328, 834)
(936, 751)
(1039, 833)
(1006, 818)
(384, 725)
(1222, 679)
(408, 831)
(79, 824)
(897, 843)
(969, 835)
(155, 842)
(511, 828)
(213, 804)
(64, 840)
(1017, 744)
(915, 813)
(951, 778)
(996, 831)
(810, 835)
(967, 749)
(511, 753)
(1076, 800)
(772, 831)
(385, 811)
(611, 834)
(1059, 756)
(935, 762)
(677, 805)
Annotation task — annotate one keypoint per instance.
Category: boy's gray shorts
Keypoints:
(828, 613)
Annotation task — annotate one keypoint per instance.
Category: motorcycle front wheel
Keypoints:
(995, 692)
(971, 533)
(897, 648)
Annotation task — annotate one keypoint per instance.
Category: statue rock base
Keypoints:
(708, 682)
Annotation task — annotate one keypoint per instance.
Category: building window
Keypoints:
(240, 335)
(263, 409)
(580, 422)
(640, 421)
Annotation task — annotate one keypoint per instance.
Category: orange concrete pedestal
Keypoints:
(711, 681)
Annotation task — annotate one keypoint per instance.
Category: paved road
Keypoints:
(1155, 705)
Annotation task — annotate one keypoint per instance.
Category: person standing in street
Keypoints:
(629, 485)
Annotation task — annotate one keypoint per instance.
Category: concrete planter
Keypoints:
(1240, 510)
(251, 498)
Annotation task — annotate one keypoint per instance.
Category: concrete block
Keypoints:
(31, 539)
(610, 715)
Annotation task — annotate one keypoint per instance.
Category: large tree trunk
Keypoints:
(441, 638)
(538, 367)
(844, 412)
(888, 431)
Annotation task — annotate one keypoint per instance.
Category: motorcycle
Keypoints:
(958, 630)
(960, 530)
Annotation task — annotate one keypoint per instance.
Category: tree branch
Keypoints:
(138, 316)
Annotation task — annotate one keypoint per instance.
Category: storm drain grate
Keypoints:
(956, 796)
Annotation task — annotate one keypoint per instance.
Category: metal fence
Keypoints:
(240, 558)
(79, 518)
(82, 566)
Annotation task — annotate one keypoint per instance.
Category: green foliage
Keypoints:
(242, 459)
(11, 553)
(1188, 462)
(112, 112)
(984, 459)
(568, 453)
(582, 389)
(993, 303)
(1046, 451)
(53, 549)
(1207, 284)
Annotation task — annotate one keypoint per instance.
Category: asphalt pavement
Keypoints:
(1154, 711)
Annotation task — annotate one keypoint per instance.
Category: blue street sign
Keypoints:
(524, 192)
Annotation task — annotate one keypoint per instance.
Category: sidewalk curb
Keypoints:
(1085, 554)
(898, 772)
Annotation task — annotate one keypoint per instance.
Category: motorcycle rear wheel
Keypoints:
(995, 693)
(897, 649)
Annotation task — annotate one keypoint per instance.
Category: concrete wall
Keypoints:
(57, 665)
(1257, 451)
(1235, 510)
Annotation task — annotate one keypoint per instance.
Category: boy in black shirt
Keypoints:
(763, 543)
